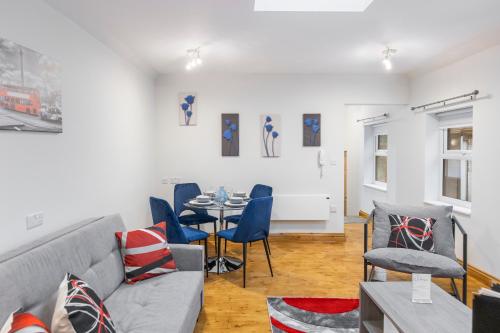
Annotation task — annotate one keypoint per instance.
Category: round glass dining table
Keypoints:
(226, 263)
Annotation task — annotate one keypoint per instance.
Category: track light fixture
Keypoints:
(388, 53)
(194, 58)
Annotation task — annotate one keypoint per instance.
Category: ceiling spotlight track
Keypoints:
(194, 58)
(388, 53)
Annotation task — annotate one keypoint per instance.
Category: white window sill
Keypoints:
(456, 209)
(376, 187)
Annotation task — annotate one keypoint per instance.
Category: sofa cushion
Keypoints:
(167, 303)
(145, 253)
(79, 310)
(412, 261)
(442, 230)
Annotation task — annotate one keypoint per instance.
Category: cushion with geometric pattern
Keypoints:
(414, 233)
(145, 253)
(79, 309)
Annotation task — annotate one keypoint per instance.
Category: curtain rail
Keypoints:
(472, 96)
(385, 115)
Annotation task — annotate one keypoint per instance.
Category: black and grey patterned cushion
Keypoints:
(414, 233)
(79, 309)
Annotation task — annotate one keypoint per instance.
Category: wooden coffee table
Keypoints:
(393, 301)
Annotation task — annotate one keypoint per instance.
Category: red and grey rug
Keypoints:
(309, 314)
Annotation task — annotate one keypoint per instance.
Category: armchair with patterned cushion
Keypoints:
(412, 239)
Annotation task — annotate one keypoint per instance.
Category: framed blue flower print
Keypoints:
(230, 134)
(270, 135)
(188, 109)
(311, 130)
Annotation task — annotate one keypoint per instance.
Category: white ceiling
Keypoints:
(155, 34)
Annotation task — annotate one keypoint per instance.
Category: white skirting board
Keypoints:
(301, 207)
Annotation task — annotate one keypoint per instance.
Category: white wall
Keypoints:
(103, 161)
(195, 154)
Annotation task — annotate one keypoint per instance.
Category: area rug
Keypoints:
(309, 314)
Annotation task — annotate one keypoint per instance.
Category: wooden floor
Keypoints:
(302, 266)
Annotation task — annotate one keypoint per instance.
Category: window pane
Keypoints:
(381, 169)
(457, 176)
(469, 181)
(382, 142)
(460, 138)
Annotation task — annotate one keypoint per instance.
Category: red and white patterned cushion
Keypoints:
(145, 253)
(24, 323)
(410, 232)
(79, 309)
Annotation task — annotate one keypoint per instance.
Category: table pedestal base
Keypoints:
(226, 264)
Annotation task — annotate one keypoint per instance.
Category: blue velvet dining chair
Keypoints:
(253, 226)
(176, 234)
(258, 191)
(182, 194)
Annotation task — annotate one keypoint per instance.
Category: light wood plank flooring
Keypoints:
(321, 266)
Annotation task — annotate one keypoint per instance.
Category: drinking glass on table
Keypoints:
(229, 191)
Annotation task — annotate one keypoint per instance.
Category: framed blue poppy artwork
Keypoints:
(311, 130)
(270, 135)
(188, 109)
(230, 134)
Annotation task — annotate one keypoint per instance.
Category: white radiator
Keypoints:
(301, 207)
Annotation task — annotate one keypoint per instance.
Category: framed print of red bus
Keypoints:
(30, 90)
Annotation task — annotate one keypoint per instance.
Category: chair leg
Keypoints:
(365, 270)
(218, 254)
(225, 240)
(268, 253)
(199, 242)
(268, 246)
(372, 272)
(464, 289)
(454, 289)
(244, 264)
(206, 255)
(215, 236)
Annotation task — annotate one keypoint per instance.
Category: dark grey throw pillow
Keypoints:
(443, 236)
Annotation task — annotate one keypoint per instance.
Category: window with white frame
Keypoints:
(380, 156)
(456, 164)
(450, 173)
(376, 157)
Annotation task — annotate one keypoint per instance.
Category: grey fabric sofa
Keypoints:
(30, 277)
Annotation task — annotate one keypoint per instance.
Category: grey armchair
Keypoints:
(440, 263)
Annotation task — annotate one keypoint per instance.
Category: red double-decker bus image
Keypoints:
(20, 99)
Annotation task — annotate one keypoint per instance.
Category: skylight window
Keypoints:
(311, 5)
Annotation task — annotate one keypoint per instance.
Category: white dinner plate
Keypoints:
(196, 203)
(229, 204)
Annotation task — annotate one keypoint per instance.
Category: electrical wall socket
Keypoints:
(34, 220)
(171, 180)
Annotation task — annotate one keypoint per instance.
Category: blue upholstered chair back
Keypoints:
(182, 194)
(255, 221)
(261, 191)
(162, 212)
